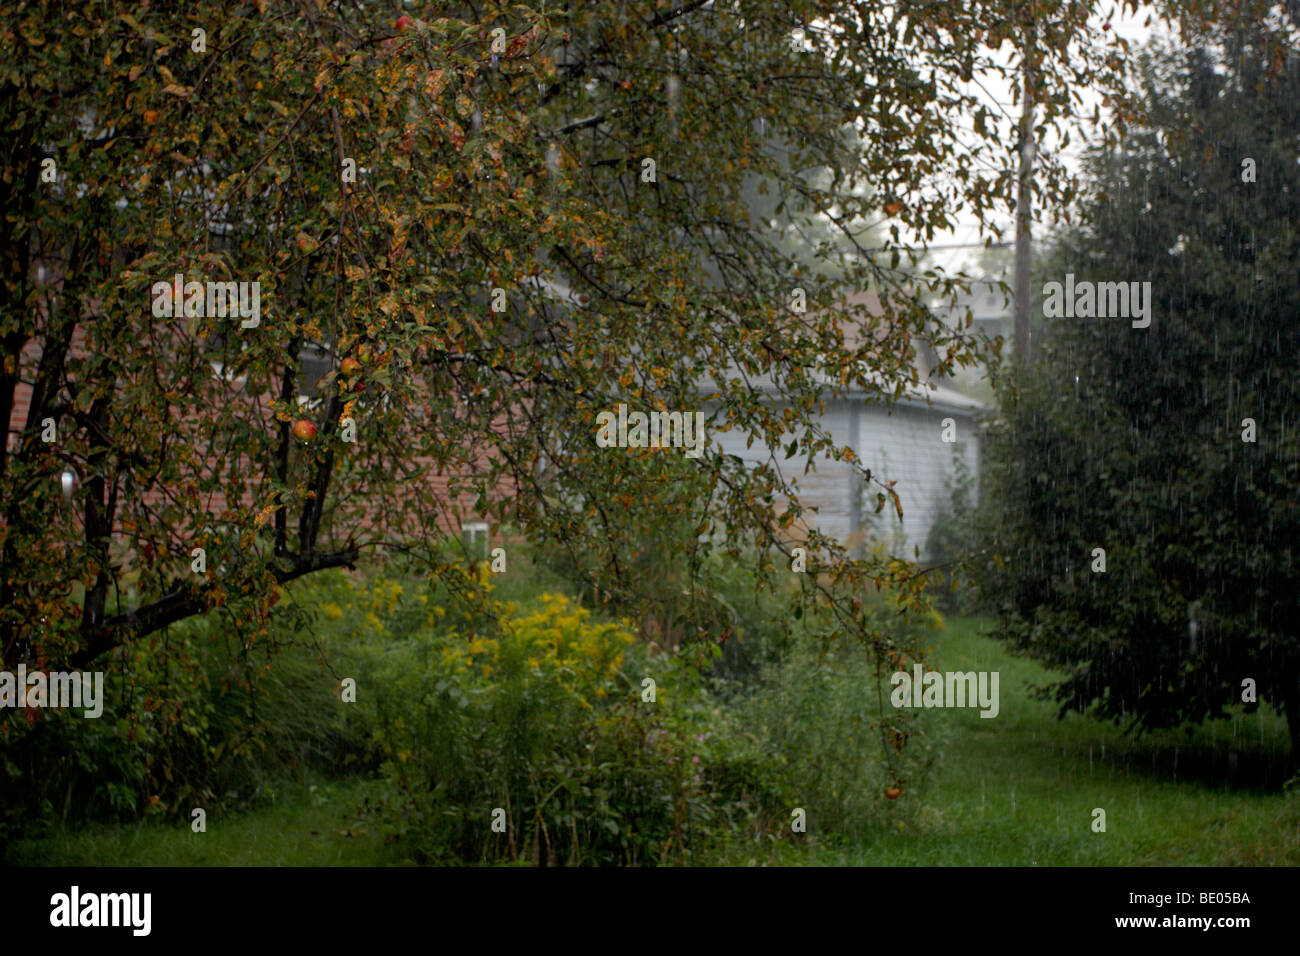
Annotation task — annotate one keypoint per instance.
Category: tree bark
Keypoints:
(1024, 196)
(182, 603)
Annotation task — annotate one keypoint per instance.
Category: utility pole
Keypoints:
(1023, 294)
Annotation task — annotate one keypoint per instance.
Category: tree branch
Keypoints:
(183, 603)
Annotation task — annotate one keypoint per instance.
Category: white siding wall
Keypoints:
(903, 444)
(827, 485)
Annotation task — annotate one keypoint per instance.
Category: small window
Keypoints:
(474, 538)
(314, 363)
(219, 370)
(215, 348)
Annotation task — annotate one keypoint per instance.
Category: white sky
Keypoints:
(997, 94)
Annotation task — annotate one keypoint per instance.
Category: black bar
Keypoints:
(900, 907)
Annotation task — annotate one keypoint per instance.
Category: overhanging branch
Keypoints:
(183, 603)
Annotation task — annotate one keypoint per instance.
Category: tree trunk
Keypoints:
(1024, 197)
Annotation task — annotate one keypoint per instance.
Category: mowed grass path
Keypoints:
(1020, 789)
(1016, 790)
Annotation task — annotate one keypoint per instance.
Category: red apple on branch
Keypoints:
(304, 430)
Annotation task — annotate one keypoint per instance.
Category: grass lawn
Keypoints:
(1018, 789)
(316, 823)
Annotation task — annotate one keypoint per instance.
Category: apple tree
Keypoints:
(470, 232)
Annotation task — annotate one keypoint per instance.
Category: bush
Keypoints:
(826, 714)
(952, 540)
(1142, 537)
(761, 630)
(465, 704)
(539, 723)
(191, 717)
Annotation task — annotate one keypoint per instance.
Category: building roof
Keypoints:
(989, 306)
(923, 395)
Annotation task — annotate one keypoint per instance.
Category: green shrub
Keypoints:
(826, 716)
(953, 540)
(762, 630)
(541, 717)
(465, 704)
(191, 717)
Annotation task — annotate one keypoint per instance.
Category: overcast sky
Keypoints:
(998, 95)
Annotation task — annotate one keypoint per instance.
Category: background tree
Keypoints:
(1137, 440)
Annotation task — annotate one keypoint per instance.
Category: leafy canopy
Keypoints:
(519, 161)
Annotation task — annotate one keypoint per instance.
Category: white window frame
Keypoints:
(469, 536)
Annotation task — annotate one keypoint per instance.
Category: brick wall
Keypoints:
(451, 511)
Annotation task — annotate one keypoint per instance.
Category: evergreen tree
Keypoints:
(1175, 448)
